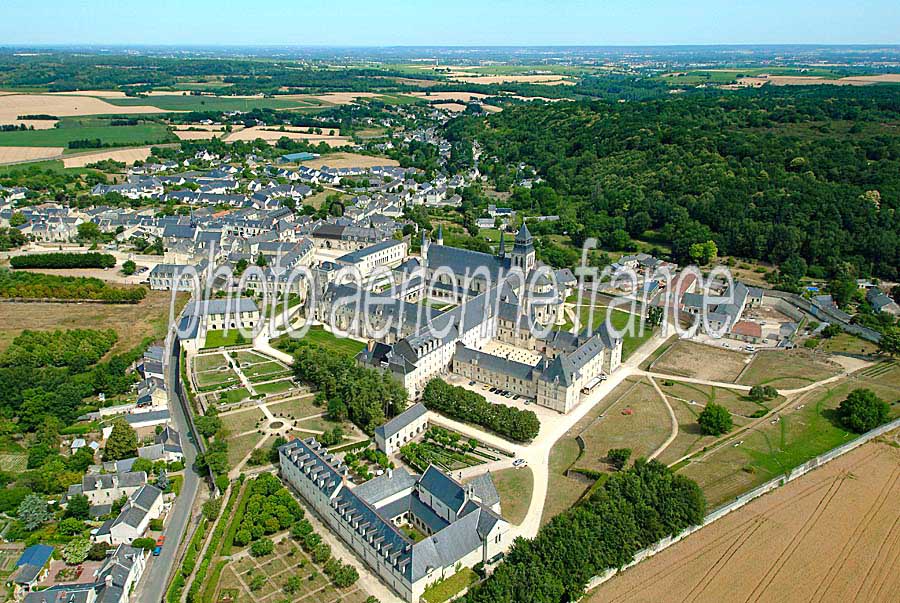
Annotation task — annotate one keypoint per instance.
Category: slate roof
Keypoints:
(402, 420)
(443, 487)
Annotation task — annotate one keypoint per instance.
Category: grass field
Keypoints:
(804, 430)
(276, 387)
(787, 369)
(216, 379)
(447, 589)
(844, 343)
(644, 430)
(340, 345)
(242, 420)
(240, 446)
(296, 408)
(210, 362)
(234, 395)
(206, 103)
(218, 339)
(562, 491)
(699, 361)
(132, 322)
(515, 487)
(88, 128)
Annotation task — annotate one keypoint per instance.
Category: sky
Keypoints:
(453, 23)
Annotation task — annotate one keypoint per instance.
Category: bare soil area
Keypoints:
(699, 361)
(832, 535)
(272, 135)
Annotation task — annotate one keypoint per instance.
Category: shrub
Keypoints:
(262, 547)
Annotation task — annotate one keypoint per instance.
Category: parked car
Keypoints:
(156, 551)
(519, 463)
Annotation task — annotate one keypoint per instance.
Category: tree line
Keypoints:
(633, 509)
(63, 260)
(32, 285)
(471, 407)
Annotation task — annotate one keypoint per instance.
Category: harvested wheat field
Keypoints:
(197, 134)
(343, 160)
(13, 154)
(832, 535)
(13, 105)
(452, 107)
(128, 156)
(330, 98)
(547, 80)
(800, 80)
(272, 135)
(460, 97)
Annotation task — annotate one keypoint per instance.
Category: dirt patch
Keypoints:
(452, 107)
(197, 134)
(129, 156)
(800, 80)
(342, 160)
(13, 154)
(699, 361)
(772, 549)
(13, 105)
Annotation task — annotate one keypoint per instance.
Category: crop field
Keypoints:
(14, 154)
(127, 156)
(133, 322)
(13, 105)
(273, 135)
(203, 103)
(699, 361)
(787, 369)
(80, 129)
(772, 549)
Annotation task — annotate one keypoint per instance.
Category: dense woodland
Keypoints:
(804, 176)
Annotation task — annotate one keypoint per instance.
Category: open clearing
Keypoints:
(133, 322)
(344, 160)
(13, 105)
(128, 156)
(515, 487)
(831, 535)
(461, 97)
(699, 361)
(787, 369)
(13, 154)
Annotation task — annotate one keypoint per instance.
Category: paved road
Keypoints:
(152, 587)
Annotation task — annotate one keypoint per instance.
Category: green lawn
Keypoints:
(620, 319)
(276, 387)
(145, 133)
(515, 487)
(234, 395)
(444, 591)
(205, 103)
(341, 345)
(217, 339)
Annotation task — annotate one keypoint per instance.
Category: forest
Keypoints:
(32, 285)
(808, 177)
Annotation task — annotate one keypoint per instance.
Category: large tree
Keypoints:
(33, 512)
(715, 419)
(122, 442)
(862, 411)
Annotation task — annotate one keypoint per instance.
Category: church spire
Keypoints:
(440, 235)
